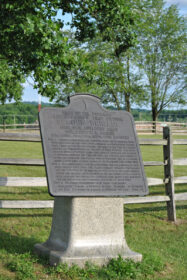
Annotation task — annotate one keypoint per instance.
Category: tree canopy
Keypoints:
(31, 39)
(27, 31)
(102, 72)
(161, 54)
(32, 43)
(126, 51)
(10, 82)
(150, 71)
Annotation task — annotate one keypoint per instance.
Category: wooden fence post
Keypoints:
(169, 174)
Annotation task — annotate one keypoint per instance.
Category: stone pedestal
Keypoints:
(86, 229)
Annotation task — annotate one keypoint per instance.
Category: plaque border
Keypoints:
(144, 190)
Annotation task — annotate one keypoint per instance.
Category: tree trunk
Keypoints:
(154, 118)
(127, 95)
(116, 100)
(127, 103)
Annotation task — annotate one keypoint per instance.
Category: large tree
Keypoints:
(27, 31)
(161, 54)
(31, 37)
(31, 44)
(99, 70)
(107, 30)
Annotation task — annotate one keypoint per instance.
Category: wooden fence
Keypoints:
(141, 127)
(168, 163)
(157, 127)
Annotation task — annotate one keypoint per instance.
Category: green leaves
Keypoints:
(161, 55)
(98, 70)
(26, 29)
(113, 20)
(31, 42)
(10, 82)
(115, 41)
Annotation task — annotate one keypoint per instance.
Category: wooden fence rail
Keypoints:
(169, 180)
(157, 127)
(141, 127)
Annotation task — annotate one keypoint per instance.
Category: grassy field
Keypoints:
(162, 243)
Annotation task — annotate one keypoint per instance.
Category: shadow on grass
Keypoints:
(8, 215)
(24, 193)
(16, 244)
(151, 209)
(21, 248)
(156, 192)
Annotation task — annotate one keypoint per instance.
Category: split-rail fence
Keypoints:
(168, 164)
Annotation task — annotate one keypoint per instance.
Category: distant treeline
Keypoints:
(28, 113)
(164, 116)
(20, 113)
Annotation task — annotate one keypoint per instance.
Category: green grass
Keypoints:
(151, 233)
(21, 150)
(162, 243)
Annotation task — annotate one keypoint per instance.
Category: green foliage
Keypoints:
(112, 19)
(116, 44)
(10, 82)
(23, 266)
(161, 54)
(26, 31)
(28, 112)
(149, 70)
(100, 71)
(32, 41)
(116, 269)
(18, 113)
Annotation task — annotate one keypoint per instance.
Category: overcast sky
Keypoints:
(31, 95)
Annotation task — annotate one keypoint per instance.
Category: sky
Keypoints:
(31, 94)
(182, 5)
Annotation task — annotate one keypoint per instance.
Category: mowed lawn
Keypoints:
(162, 243)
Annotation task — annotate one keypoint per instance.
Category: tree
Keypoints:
(31, 37)
(162, 55)
(31, 41)
(159, 52)
(27, 29)
(10, 82)
(100, 71)
(107, 31)
(112, 19)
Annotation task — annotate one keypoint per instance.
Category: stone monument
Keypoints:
(92, 160)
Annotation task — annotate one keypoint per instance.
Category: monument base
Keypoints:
(86, 229)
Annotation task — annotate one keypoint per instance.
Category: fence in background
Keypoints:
(157, 127)
(141, 127)
(18, 127)
(168, 164)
